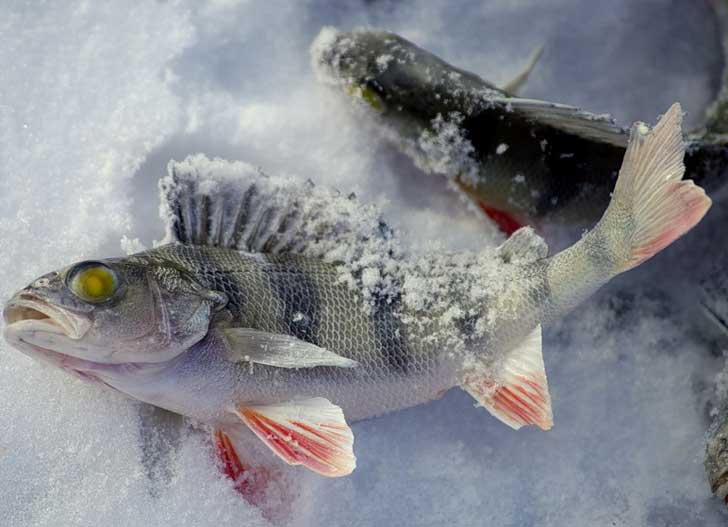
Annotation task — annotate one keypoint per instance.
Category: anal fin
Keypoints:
(505, 221)
(517, 393)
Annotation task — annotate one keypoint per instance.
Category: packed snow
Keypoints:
(96, 98)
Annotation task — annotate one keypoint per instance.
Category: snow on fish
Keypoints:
(521, 161)
(278, 313)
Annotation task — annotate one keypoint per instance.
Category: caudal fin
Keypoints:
(652, 205)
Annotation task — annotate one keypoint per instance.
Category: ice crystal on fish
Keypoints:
(114, 91)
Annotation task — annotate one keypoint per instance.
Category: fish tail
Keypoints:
(651, 207)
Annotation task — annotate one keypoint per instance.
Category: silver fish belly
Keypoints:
(300, 297)
(284, 311)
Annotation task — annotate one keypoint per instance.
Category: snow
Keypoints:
(96, 98)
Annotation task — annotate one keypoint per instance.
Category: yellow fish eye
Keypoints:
(93, 282)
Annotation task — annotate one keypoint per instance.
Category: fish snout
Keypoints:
(27, 309)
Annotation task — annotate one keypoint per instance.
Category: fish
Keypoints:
(711, 321)
(278, 313)
(716, 451)
(520, 161)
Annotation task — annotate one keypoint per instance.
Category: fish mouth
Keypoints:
(54, 336)
(47, 333)
(27, 312)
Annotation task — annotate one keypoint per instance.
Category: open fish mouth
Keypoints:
(28, 313)
(44, 331)
(54, 335)
(48, 333)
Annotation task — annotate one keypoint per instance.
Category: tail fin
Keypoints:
(651, 205)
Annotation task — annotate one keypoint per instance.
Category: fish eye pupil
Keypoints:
(93, 283)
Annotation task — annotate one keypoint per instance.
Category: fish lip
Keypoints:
(28, 311)
(79, 367)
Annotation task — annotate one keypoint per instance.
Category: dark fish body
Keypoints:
(533, 160)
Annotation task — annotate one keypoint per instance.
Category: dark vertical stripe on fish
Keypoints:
(214, 276)
(390, 332)
(298, 294)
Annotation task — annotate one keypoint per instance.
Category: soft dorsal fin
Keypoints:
(517, 393)
(514, 85)
(567, 118)
(232, 204)
(523, 246)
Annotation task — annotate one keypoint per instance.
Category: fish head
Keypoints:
(109, 312)
(392, 75)
(354, 61)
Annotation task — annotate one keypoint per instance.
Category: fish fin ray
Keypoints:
(234, 205)
(279, 350)
(516, 83)
(567, 118)
(518, 394)
(652, 205)
(255, 476)
(309, 432)
(228, 456)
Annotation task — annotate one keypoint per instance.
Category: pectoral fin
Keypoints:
(282, 351)
(517, 393)
(308, 432)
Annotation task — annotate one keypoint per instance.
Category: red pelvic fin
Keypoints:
(228, 457)
(506, 223)
(250, 482)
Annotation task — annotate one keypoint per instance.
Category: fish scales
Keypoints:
(522, 161)
(336, 322)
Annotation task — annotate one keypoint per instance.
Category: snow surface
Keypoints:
(96, 97)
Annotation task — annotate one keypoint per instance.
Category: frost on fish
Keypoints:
(454, 123)
(247, 210)
(233, 94)
(444, 293)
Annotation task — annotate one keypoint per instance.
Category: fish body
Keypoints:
(288, 310)
(303, 298)
(522, 161)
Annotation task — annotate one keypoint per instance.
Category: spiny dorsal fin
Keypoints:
(567, 118)
(523, 246)
(232, 204)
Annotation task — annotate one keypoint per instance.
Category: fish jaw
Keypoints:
(53, 335)
(38, 329)
(27, 311)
